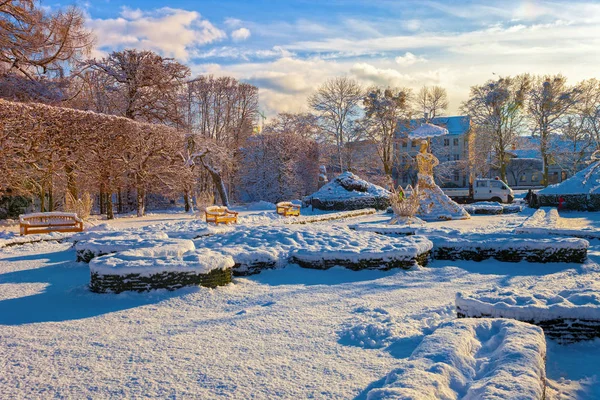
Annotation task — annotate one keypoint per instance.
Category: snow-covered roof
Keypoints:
(346, 186)
(427, 131)
(586, 181)
(456, 125)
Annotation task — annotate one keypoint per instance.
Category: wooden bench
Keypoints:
(218, 214)
(288, 209)
(49, 222)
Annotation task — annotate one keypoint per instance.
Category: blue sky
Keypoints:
(288, 48)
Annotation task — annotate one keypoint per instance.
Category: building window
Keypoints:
(455, 141)
(456, 157)
(414, 143)
(455, 176)
(404, 144)
(535, 177)
(446, 142)
(523, 178)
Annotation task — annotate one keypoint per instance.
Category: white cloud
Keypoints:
(168, 31)
(409, 59)
(240, 34)
(233, 22)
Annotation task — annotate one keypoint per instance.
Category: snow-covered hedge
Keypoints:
(568, 250)
(155, 268)
(88, 249)
(348, 192)
(254, 248)
(568, 315)
(581, 191)
(329, 217)
(472, 359)
(546, 221)
(403, 253)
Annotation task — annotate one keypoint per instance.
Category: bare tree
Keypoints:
(305, 125)
(588, 107)
(336, 102)
(146, 85)
(549, 101)
(577, 133)
(432, 100)
(35, 45)
(384, 110)
(497, 109)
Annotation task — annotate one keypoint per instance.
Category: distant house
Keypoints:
(452, 150)
(525, 169)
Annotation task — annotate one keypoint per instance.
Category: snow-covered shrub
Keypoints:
(405, 207)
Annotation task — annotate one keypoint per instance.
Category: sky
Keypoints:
(288, 48)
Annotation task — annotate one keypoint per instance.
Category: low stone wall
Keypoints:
(86, 255)
(574, 202)
(356, 203)
(246, 269)
(165, 280)
(511, 250)
(361, 264)
(562, 330)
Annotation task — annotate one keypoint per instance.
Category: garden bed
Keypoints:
(492, 208)
(546, 221)
(86, 250)
(570, 315)
(148, 269)
(258, 247)
(472, 359)
(385, 229)
(329, 217)
(404, 253)
(569, 250)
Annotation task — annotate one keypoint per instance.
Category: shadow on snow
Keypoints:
(67, 296)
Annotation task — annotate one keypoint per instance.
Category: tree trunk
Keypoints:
(101, 200)
(141, 206)
(109, 207)
(120, 202)
(186, 197)
(545, 173)
(71, 183)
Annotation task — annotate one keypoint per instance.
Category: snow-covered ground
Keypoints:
(285, 333)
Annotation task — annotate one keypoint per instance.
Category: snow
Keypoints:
(472, 359)
(532, 305)
(586, 181)
(23, 217)
(276, 244)
(112, 244)
(426, 131)
(261, 205)
(155, 260)
(284, 333)
(435, 204)
(547, 221)
(500, 244)
(337, 189)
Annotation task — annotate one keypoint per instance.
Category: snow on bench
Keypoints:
(88, 249)
(569, 250)
(369, 254)
(159, 268)
(472, 359)
(47, 222)
(547, 221)
(258, 247)
(567, 316)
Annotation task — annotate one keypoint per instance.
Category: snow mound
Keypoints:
(547, 221)
(472, 359)
(156, 260)
(532, 306)
(368, 335)
(586, 181)
(349, 192)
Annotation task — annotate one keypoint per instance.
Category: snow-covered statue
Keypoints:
(425, 164)
(433, 203)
